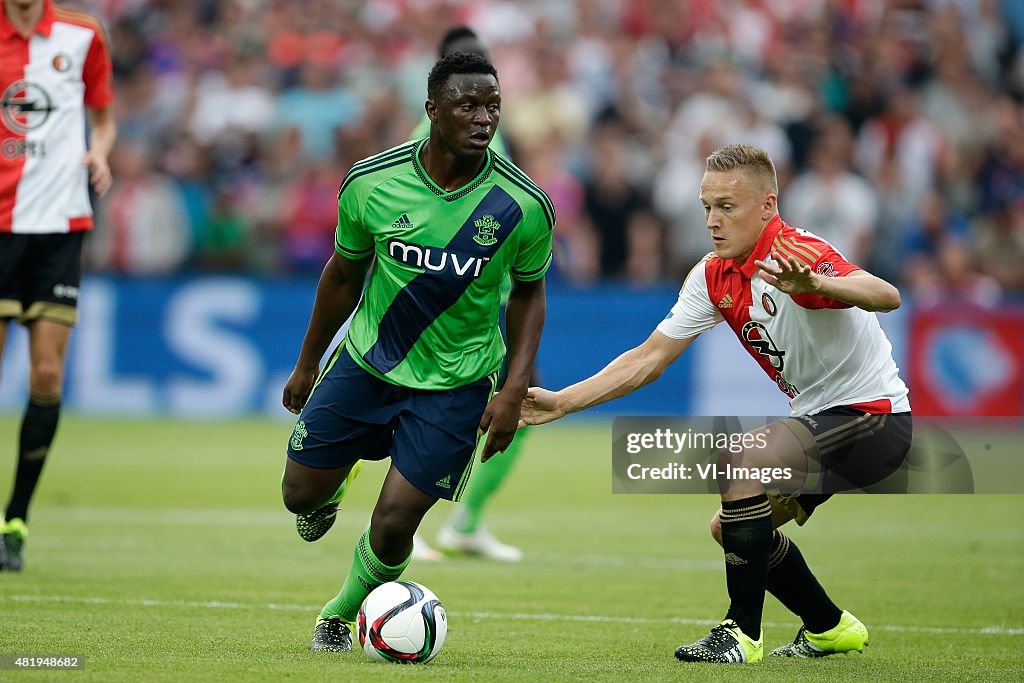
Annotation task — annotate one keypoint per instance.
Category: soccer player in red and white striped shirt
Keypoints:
(807, 317)
(54, 72)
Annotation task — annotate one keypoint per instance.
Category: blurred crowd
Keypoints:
(897, 126)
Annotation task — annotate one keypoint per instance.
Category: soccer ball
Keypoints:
(402, 622)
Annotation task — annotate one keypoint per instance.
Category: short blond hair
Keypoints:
(748, 157)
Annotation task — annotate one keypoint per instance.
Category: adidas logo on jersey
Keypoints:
(726, 301)
(446, 482)
(734, 559)
(403, 223)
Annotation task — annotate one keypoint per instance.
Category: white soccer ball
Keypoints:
(403, 622)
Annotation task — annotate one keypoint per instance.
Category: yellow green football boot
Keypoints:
(849, 635)
(12, 544)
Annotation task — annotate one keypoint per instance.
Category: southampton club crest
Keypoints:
(485, 229)
(298, 434)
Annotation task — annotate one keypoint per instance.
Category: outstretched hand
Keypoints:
(788, 275)
(540, 407)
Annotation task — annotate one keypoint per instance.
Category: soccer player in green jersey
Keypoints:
(465, 532)
(442, 220)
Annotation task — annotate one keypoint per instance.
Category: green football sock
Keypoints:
(485, 482)
(366, 573)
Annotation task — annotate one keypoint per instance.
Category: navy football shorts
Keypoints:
(429, 435)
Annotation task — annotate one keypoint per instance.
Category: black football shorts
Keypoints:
(39, 276)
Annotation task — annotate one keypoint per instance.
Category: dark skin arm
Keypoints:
(336, 297)
(524, 316)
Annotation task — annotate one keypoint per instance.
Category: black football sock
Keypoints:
(791, 581)
(747, 541)
(38, 427)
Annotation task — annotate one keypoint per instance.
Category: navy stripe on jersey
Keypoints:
(353, 174)
(536, 194)
(435, 290)
(512, 169)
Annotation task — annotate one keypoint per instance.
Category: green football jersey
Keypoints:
(428, 318)
(422, 130)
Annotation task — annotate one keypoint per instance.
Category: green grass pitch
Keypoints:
(162, 552)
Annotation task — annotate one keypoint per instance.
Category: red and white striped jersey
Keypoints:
(46, 81)
(821, 352)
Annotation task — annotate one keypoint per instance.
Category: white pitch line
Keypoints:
(644, 562)
(514, 616)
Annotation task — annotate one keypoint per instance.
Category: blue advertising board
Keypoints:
(219, 347)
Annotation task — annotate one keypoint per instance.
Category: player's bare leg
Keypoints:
(400, 509)
(304, 488)
(313, 494)
(381, 555)
(48, 343)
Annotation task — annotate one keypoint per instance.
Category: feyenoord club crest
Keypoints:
(61, 62)
(769, 304)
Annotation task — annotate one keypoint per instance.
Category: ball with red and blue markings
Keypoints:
(402, 622)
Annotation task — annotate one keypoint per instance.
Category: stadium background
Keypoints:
(898, 131)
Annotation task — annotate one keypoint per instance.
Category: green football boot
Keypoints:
(12, 544)
(849, 635)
